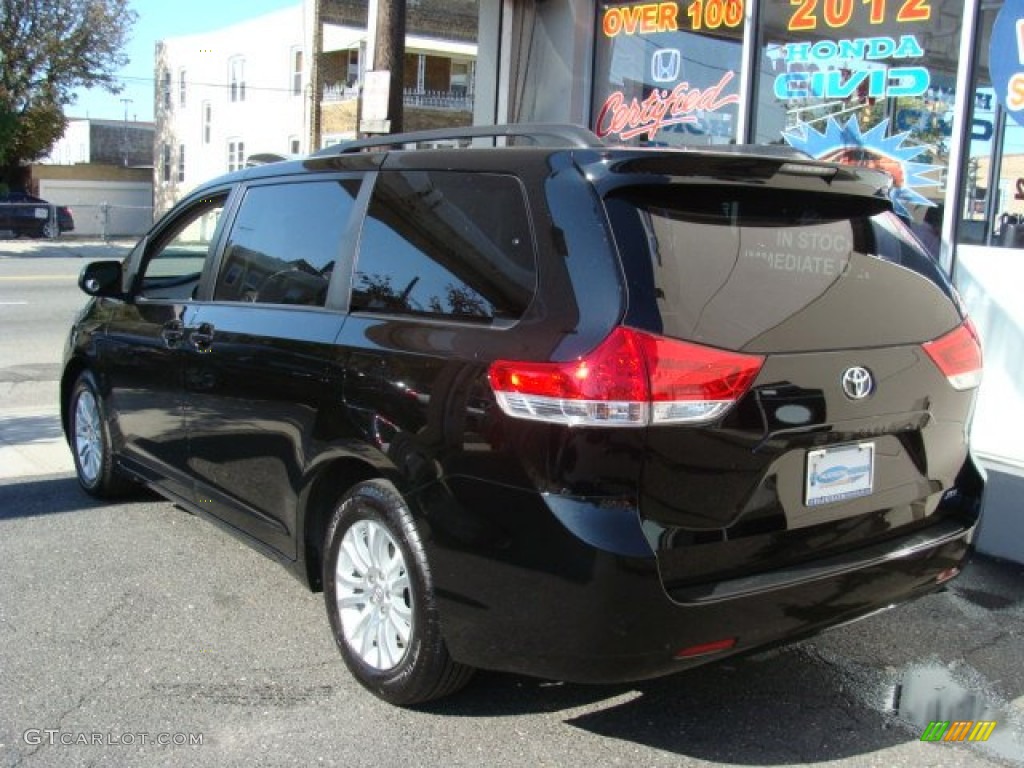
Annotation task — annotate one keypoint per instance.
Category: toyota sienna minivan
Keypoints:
(545, 406)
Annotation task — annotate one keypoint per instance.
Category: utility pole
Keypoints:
(389, 55)
(315, 85)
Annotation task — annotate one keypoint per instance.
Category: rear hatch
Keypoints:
(854, 429)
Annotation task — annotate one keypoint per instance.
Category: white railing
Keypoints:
(447, 100)
(340, 92)
(438, 99)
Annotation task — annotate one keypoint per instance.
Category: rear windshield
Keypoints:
(726, 266)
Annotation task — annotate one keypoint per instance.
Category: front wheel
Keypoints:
(89, 436)
(380, 599)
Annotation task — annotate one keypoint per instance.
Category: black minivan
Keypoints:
(551, 407)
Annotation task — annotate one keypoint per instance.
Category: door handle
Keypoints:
(202, 337)
(173, 332)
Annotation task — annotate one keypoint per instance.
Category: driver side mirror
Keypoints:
(102, 278)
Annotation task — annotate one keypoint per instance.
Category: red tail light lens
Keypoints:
(631, 379)
(958, 355)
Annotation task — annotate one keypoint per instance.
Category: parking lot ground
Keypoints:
(120, 623)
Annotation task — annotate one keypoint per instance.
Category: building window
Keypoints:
(181, 88)
(352, 76)
(864, 84)
(294, 145)
(165, 88)
(165, 162)
(236, 154)
(296, 72)
(181, 163)
(207, 121)
(236, 79)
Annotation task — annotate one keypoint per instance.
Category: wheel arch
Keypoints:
(74, 368)
(331, 478)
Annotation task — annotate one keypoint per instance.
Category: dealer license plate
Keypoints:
(839, 473)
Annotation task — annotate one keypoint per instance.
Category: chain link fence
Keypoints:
(107, 220)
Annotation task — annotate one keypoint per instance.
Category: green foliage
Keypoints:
(49, 48)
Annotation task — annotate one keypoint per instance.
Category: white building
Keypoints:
(229, 94)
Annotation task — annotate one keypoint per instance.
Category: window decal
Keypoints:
(873, 149)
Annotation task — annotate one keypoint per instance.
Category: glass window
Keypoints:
(165, 162)
(236, 154)
(182, 88)
(866, 82)
(453, 245)
(992, 198)
(207, 121)
(668, 73)
(284, 243)
(779, 255)
(990, 228)
(236, 79)
(296, 72)
(181, 162)
(166, 89)
(175, 261)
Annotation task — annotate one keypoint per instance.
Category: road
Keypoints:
(120, 623)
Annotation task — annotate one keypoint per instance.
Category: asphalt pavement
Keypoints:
(135, 634)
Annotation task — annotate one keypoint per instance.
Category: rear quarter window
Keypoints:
(446, 244)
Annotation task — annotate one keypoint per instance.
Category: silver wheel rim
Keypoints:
(374, 595)
(88, 437)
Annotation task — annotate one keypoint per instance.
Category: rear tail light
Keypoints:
(958, 355)
(631, 379)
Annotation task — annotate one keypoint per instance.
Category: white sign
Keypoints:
(376, 88)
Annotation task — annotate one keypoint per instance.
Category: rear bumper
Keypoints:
(588, 605)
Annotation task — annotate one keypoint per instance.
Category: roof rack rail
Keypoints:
(541, 133)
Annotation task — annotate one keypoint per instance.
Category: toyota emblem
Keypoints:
(857, 383)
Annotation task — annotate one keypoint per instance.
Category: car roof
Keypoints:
(606, 166)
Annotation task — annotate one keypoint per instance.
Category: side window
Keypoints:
(175, 262)
(446, 244)
(284, 242)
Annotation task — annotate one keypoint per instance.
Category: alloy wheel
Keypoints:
(374, 596)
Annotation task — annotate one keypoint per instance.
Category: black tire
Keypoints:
(89, 439)
(401, 670)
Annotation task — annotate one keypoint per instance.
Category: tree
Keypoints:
(48, 48)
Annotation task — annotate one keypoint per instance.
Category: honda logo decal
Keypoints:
(666, 65)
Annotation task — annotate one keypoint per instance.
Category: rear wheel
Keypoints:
(380, 599)
(89, 436)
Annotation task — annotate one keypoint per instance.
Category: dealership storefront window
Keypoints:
(990, 265)
(668, 73)
(868, 82)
